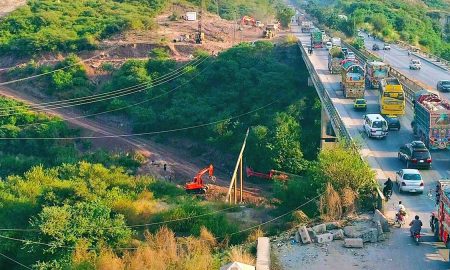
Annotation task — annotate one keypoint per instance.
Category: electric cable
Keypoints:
(60, 119)
(11, 259)
(100, 97)
(143, 133)
(55, 70)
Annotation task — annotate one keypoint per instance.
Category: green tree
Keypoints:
(285, 14)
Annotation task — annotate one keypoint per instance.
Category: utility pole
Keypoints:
(234, 177)
(234, 26)
(218, 7)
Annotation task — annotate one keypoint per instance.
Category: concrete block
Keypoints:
(297, 237)
(332, 225)
(304, 235)
(337, 234)
(378, 216)
(370, 235)
(352, 232)
(263, 254)
(353, 242)
(312, 234)
(324, 238)
(379, 228)
(321, 228)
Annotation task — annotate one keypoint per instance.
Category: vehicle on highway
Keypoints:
(316, 38)
(328, 45)
(443, 86)
(352, 79)
(409, 180)
(345, 50)
(360, 104)
(336, 42)
(393, 122)
(375, 72)
(386, 47)
(440, 218)
(415, 64)
(375, 126)
(335, 57)
(392, 97)
(415, 154)
(375, 47)
(432, 120)
(350, 55)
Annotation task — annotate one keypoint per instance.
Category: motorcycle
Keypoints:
(416, 237)
(400, 219)
(388, 194)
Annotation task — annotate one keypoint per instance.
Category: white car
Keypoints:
(351, 56)
(387, 47)
(415, 64)
(328, 45)
(409, 180)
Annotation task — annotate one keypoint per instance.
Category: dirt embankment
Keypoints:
(6, 6)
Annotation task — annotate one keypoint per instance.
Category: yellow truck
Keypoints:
(392, 97)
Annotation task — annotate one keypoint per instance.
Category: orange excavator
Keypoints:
(247, 20)
(197, 185)
(272, 174)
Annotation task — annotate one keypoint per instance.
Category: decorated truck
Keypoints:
(432, 121)
(375, 72)
(440, 218)
(352, 75)
(306, 26)
(316, 39)
(335, 57)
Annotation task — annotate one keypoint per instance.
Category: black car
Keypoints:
(375, 47)
(443, 86)
(393, 122)
(415, 154)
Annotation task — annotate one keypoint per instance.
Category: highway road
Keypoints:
(382, 156)
(398, 58)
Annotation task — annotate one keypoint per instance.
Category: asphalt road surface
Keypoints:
(398, 58)
(382, 156)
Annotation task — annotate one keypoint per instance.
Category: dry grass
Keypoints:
(207, 237)
(300, 218)
(239, 254)
(330, 204)
(253, 236)
(348, 199)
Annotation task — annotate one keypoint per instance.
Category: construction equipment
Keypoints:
(247, 20)
(270, 30)
(272, 174)
(376, 71)
(197, 185)
(353, 83)
(200, 36)
(335, 57)
(432, 121)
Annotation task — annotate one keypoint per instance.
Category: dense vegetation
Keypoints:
(391, 20)
(86, 207)
(18, 156)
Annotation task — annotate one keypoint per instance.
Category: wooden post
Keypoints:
(242, 180)
(234, 176)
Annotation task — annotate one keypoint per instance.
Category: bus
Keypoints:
(392, 97)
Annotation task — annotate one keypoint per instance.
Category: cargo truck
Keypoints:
(316, 39)
(306, 26)
(432, 121)
(440, 218)
(375, 72)
(352, 75)
(336, 42)
(335, 57)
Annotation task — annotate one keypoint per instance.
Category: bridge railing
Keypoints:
(334, 116)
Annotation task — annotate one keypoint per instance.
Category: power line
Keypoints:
(120, 108)
(142, 133)
(11, 259)
(55, 70)
(105, 96)
(58, 102)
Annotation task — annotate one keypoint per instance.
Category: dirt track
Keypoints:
(6, 6)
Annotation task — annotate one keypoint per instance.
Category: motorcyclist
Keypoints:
(401, 211)
(409, 52)
(388, 187)
(416, 226)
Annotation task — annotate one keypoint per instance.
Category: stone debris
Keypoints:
(378, 216)
(353, 243)
(321, 228)
(304, 235)
(332, 225)
(324, 238)
(338, 234)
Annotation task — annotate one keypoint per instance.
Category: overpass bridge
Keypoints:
(382, 154)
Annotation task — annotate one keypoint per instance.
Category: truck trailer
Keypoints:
(440, 218)
(375, 72)
(432, 121)
(352, 75)
(335, 57)
(316, 39)
(306, 26)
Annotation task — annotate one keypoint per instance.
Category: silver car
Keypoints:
(409, 180)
